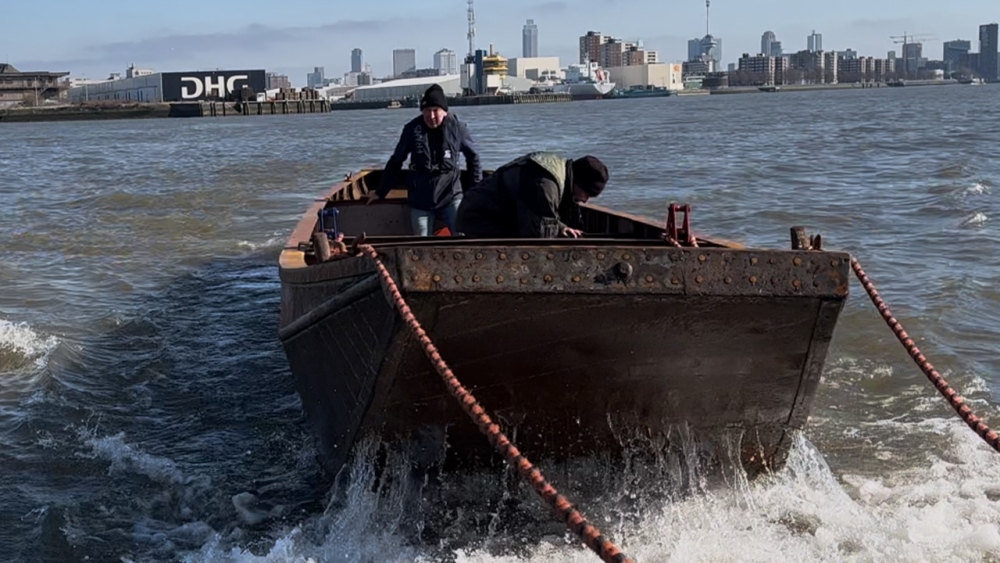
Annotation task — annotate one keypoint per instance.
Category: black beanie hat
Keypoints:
(590, 174)
(434, 97)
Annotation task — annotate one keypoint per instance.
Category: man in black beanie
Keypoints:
(434, 98)
(534, 196)
(433, 142)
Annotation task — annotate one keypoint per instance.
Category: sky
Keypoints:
(94, 39)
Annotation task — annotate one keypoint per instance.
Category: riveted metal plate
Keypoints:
(629, 270)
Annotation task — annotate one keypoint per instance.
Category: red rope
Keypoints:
(953, 398)
(590, 535)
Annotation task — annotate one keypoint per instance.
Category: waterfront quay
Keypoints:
(87, 111)
(267, 107)
(136, 110)
(817, 87)
(94, 111)
(90, 111)
(455, 101)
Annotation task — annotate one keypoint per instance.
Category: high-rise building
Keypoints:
(955, 50)
(759, 67)
(612, 53)
(988, 52)
(766, 41)
(403, 60)
(814, 42)
(529, 39)
(694, 49)
(830, 65)
(356, 60)
(316, 78)
(637, 55)
(273, 80)
(956, 55)
(813, 66)
(883, 69)
(913, 54)
(446, 61)
(590, 46)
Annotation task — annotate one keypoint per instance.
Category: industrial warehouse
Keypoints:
(405, 88)
(143, 85)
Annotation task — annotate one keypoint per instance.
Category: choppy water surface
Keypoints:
(147, 412)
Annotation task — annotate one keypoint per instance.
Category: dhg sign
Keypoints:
(194, 87)
(209, 85)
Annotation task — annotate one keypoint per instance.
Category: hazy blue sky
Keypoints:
(93, 39)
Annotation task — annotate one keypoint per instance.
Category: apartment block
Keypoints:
(590, 46)
(759, 70)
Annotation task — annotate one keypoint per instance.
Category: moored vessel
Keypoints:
(586, 81)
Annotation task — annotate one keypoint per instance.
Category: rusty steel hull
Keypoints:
(572, 348)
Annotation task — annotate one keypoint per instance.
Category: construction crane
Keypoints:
(910, 39)
(906, 39)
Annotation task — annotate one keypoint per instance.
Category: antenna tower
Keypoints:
(472, 29)
(708, 4)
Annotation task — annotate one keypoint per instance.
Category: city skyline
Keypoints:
(107, 40)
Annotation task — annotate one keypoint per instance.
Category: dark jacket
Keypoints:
(530, 197)
(434, 178)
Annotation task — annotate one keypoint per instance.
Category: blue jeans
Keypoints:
(423, 221)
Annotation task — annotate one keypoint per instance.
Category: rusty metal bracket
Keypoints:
(683, 234)
(358, 241)
(619, 273)
(800, 241)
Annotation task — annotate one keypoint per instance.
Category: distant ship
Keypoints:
(585, 81)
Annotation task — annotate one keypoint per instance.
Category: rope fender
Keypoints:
(590, 535)
(952, 396)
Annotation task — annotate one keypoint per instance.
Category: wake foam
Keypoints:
(21, 347)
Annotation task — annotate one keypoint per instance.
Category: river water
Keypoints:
(147, 412)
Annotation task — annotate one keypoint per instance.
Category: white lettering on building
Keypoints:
(218, 86)
(198, 88)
